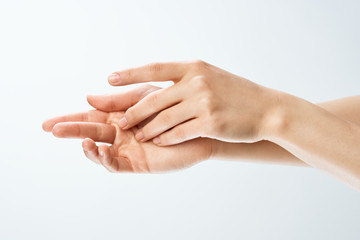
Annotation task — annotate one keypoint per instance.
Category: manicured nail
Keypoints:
(156, 140)
(123, 122)
(139, 135)
(114, 78)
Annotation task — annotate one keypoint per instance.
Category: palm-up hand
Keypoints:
(125, 153)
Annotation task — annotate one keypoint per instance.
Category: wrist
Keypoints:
(277, 117)
(214, 147)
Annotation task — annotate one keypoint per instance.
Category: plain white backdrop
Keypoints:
(54, 53)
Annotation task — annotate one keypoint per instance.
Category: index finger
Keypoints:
(152, 72)
(120, 101)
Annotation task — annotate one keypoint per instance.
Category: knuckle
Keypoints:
(146, 89)
(164, 118)
(210, 111)
(208, 104)
(153, 100)
(201, 83)
(127, 74)
(146, 86)
(179, 133)
(109, 105)
(154, 67)
(199, 64)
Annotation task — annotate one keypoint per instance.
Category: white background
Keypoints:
(54, 53)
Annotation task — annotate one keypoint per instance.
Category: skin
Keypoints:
(207, 113)
(125, 154)
(318, 137)
(96, 124)
(206, 101)
(197, 105)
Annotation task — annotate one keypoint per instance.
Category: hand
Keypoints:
(205, 101)
(125, 153)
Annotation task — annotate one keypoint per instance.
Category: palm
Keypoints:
(125, 152)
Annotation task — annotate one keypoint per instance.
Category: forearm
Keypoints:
(317, 137)
(261, 152)
(271, 153)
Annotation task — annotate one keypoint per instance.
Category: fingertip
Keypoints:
(114, 79)
(57, 131)
(86, 143)
(159, 141)
(164, 140)
(111, 83)
(92, 97)
(89, 98)
(45, 126)
(156, 140)
(91, 150)
(100, 102)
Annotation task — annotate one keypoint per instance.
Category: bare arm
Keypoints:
(318, 137)
(269, 152)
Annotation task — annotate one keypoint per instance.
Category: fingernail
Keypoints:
(139, 135)
(123, 122)
(101, 153)
(114, 78)
(156, 140)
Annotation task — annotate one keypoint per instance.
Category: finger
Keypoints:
(181, 133)
(146, 121)
(153, 72)
(120, 101)
(166, 120)
(99, 132)
(151, 104)
(91, 150)
(90, 116)
(106, 159)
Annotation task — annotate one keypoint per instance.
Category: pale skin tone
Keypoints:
(211, 113)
